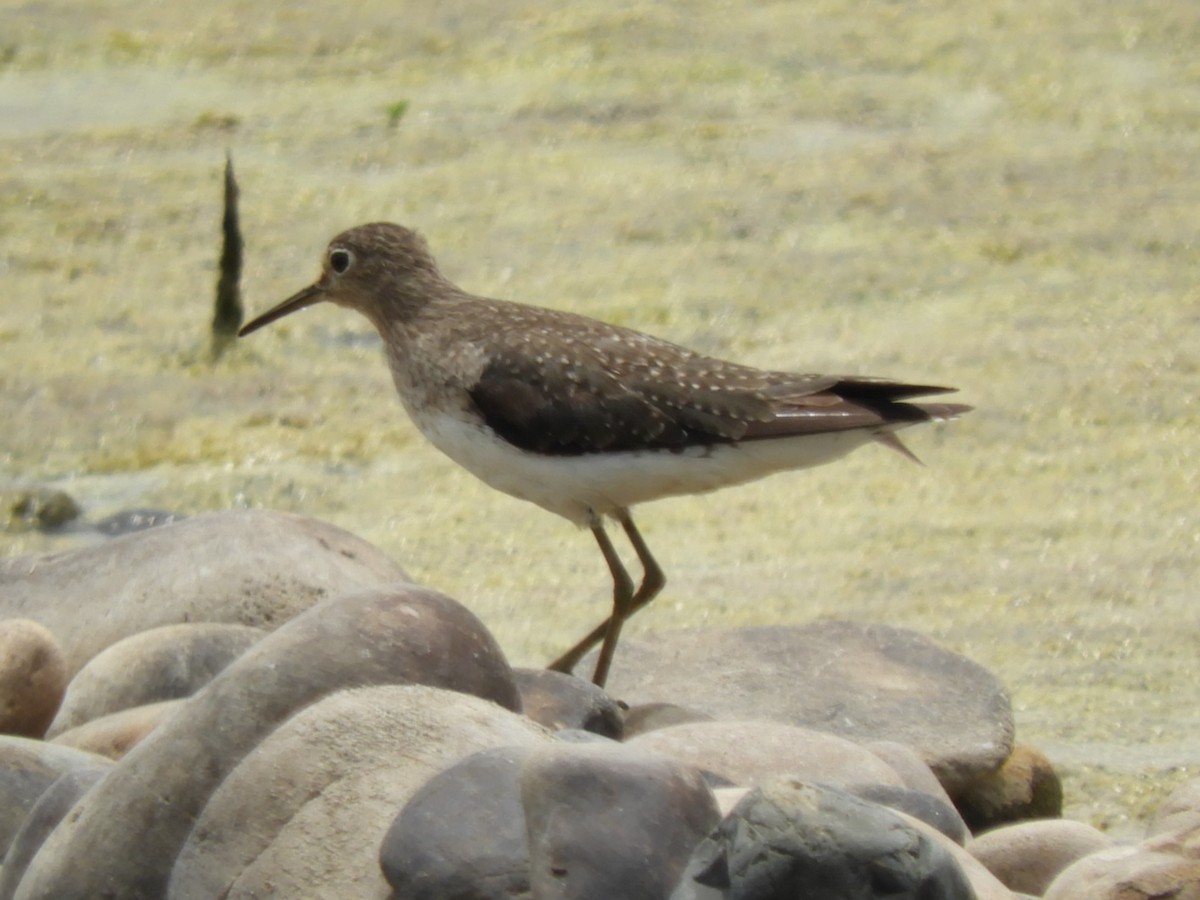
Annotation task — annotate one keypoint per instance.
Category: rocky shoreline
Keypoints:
(251, 703)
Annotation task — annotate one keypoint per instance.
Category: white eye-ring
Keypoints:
(340, 259)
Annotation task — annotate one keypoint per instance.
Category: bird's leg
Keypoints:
(652, 582)
(622, 600)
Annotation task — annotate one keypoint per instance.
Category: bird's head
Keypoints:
(384, 271)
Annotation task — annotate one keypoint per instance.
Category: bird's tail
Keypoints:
(930, 412)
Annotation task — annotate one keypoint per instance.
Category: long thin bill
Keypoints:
(307, 297)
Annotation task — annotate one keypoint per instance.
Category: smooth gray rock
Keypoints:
(303, 814)
(861, 681)
(792, 839)
(131, 826)
(561, 701)
(27, 768)
(933, 811)
(908, 764)
(432, 851)
(253, 567)
(54, 803)
(608, 821)
(160, 664)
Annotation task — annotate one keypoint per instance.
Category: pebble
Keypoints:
(304, 813)
(27, 768)
(33, 677)
(793, 838)
(432, 851)
(1121, 873)
(114, 735)
(561, 702)
(650, 716)
(320, 736)
(53, 804)
(163, 663)
(1024, 787)
(1180, 811)
(397, 635)
(928, 808)
(251, 567)
(749, 753)
(864, 682)
(1028, 856)
(607, 821)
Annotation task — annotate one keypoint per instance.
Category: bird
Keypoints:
(587, 419)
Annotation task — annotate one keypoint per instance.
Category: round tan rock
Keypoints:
(1122, 873)
(252, 567)
(864, 682)
(303, 815)
(164, 663)
(33, 677)
(749, 753)
(130, 827)
(1028, 856)
(116, 734)
(1180, 811)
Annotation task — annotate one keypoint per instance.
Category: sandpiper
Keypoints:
(588, 419)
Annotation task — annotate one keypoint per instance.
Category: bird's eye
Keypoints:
(340, 260)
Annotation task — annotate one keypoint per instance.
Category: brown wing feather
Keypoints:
(619, 389)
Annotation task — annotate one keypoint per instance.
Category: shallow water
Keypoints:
(1001, 197)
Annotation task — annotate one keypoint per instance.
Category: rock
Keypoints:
(47, 509)
(304, 813)
(985, 885)
(397, 635)
(1180, 811)
(116, 734)
(1024, 787)
(127, 521)
(27, 769)
(54, 803)
(860, 681)
(1029, 855)
(252, 567)
(789, 838)
(908, 764)
(560, 701)
(1184, 841)
(933, 811)
(749, 753)
(33, 677)
(160, 664)
(650, 716)
(609, 821)
(432, 851)
(1128, 873)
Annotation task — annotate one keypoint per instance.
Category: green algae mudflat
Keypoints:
(998, 196)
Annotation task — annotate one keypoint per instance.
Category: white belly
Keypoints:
(580, 488)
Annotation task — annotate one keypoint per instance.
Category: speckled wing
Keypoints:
(611, 389)
(577, 408)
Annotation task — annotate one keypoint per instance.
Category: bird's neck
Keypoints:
(430, 347)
